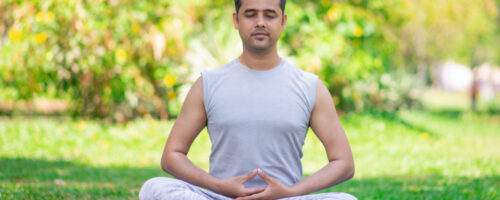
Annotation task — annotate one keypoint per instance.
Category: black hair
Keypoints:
(237, 4)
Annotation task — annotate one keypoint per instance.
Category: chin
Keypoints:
(265, 45)
(261, 48)
(259, 45)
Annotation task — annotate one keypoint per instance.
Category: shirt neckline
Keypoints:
(248, 69)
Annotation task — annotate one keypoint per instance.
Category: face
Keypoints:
(260, 23)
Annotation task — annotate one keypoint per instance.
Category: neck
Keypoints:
(260, 60)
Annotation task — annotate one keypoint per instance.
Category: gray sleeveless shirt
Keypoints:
(258, 119)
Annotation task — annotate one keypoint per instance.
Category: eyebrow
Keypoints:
(256, 10)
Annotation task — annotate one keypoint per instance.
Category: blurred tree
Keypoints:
(124, 58)
(108, 57)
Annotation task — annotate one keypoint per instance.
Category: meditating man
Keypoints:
(257, 109)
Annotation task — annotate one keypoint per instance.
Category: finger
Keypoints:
(250, 175)
(252, 197)
(265, 177)
(250, 191)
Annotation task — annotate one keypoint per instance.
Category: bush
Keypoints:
(119, 59)
(122, 59)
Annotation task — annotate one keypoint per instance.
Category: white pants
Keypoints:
(165, 188)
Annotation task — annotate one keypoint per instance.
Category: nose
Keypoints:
(260, 21)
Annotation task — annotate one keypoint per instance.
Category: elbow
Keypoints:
(170, 161)
(351, 174)
(164, 167)
(164, 164)
(350, 170)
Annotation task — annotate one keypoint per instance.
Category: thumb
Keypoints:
(250, 175)
(265, 177)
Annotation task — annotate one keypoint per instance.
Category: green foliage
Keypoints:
(367, 51)
(128, 58)
(103, 57)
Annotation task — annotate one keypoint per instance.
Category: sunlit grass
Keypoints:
(414, 154)
(435, 98)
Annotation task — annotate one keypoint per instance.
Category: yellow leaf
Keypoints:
(50, 16)
(39, 16)
(171, 95)
(120, 55)
(15, 35)
(45, 16)
(136, 28)
(40, 38)
(331, 14)
(358, 31)
(169, 80)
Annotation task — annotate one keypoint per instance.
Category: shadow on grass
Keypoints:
(458, 113)
(22, 178)
(428, 186)
(444, 114)
(394, 117)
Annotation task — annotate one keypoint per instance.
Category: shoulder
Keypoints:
(213, 77)
(299, 73)
(219, 71)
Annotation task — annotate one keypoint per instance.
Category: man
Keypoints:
(257, 110)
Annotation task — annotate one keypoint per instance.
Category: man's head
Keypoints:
(260, 23)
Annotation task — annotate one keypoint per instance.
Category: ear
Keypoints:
(235, 20)
(283, 22)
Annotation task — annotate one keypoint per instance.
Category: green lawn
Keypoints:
(411, 155)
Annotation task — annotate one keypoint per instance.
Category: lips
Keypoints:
(260, 34)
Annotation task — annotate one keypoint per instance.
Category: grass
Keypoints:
(409, 155)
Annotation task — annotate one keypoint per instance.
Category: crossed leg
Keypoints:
(164, 188)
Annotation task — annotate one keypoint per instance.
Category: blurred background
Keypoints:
(90, 89)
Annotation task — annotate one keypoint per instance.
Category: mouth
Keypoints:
(260, 35)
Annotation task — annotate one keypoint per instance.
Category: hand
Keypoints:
(233, 187)
(274, 189)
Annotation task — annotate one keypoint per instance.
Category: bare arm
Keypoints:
(326, 125)
(191, 120)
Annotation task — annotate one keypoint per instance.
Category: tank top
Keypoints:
(258, 119)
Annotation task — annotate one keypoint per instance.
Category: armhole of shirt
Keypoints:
(204, 79)
(312, 91)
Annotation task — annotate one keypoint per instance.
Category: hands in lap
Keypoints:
(233, 187)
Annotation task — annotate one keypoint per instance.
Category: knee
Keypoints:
(340, 196)
(156, 180)
(164, 182)
(169, 188)
(160, 185)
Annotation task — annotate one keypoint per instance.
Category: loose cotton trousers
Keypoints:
(164, 188)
